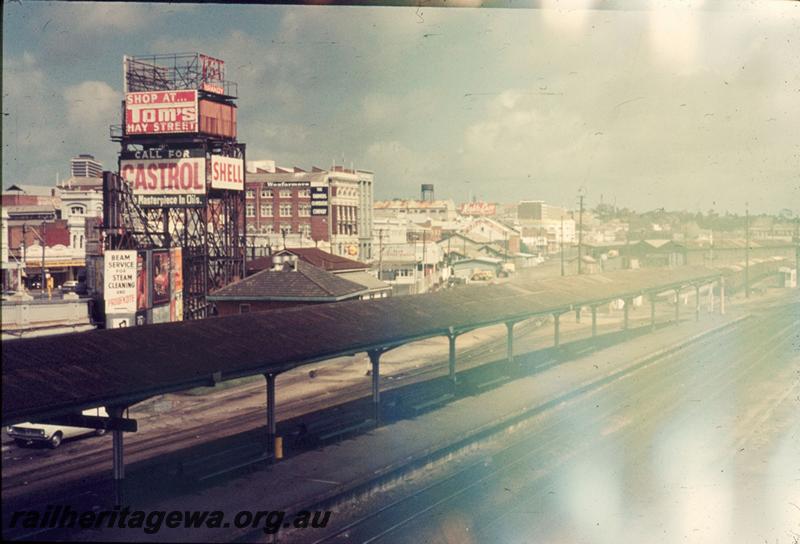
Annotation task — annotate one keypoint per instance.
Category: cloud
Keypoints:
(92, 104)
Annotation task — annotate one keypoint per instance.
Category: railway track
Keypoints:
(764, 344)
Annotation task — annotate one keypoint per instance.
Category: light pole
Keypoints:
(747, 250)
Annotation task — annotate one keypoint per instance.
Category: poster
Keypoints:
(120, 282)
(160, 277)
(176, 284)
(141, 282)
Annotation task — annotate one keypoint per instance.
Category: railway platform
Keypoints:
(318, 478)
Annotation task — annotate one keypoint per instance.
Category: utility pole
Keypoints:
(380, 254)
(43, 236)
(580, 237)
(562, 244)
(746, 250)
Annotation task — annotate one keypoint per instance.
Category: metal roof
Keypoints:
(51, 376)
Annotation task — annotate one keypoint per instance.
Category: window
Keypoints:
(244, 308)
(76, 210)
(266, 229)
(286, 193)
(305, 230)
(251, 210)
(304, 193)
(304, 210)
(286, 228)
(286, 210)
(250, 193)
(266, 193)
(266, 210)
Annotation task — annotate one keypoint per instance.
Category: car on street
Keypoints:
(70, 286)
(27, 434)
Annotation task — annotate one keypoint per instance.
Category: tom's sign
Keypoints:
(161, 112)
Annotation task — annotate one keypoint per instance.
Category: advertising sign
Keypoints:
(176, 284)
(226, 173)
(160, 277)
(161, 112)
(141, 282)
(166, 182)
(319, 201)
(160, 314)
(478, 209)
(120, 282)
(213, 74)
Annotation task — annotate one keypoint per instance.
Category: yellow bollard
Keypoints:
(278, 448)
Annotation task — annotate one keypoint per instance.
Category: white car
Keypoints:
(25, 434)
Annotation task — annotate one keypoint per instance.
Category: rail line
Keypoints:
(459, 483)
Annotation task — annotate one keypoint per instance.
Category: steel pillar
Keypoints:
(677, 305)
(697, 303)
(556, 330)
(594, 321)
(118, 458)
(711, 298)
(577, 315)
(625, 313)
(271, 430)
(451, 336)
(653, 312)
(375, 359)
(510, 342)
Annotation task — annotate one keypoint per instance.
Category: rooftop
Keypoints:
(307, 283)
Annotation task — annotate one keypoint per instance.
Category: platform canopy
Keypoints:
(52, 376)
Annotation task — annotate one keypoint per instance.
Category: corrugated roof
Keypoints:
(307, 282)
(324, 260)
(45, 377)
(366, 279)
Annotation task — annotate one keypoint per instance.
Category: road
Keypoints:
(703, 446)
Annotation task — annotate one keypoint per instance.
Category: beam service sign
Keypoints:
(165, 178)
(119, 289)
(160, 112)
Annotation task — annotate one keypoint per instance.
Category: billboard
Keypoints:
(141, 282)
(226, 173)
(217, 119)
(478, 209)
(176, 284)
(161, 278)
(161, 112)
(177, 179)
(119, 287)
(319, 201)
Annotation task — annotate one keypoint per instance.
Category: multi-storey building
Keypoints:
(85, 166)
(298, 208)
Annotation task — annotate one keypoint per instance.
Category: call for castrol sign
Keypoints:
(160, 112)
(226, 173)
(167, 182)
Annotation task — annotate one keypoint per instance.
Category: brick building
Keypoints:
(327, 208)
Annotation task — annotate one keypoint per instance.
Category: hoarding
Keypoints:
(217, 119)
(319, 201)
(161, 278)
(141, 282)
(161, 112)
(166, 182)
(119, 287)
(176, 284)
(226, 173)
(213, 74)
(478, 209)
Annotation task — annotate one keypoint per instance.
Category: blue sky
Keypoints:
(677, 105)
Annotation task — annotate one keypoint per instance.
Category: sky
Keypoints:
(674, 104)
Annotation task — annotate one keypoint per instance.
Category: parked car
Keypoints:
(70, 286)
(26, 434)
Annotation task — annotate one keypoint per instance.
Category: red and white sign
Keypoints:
(165, 176)
(478, 209)
(213, 69)
(226, 173)
(160, 112)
